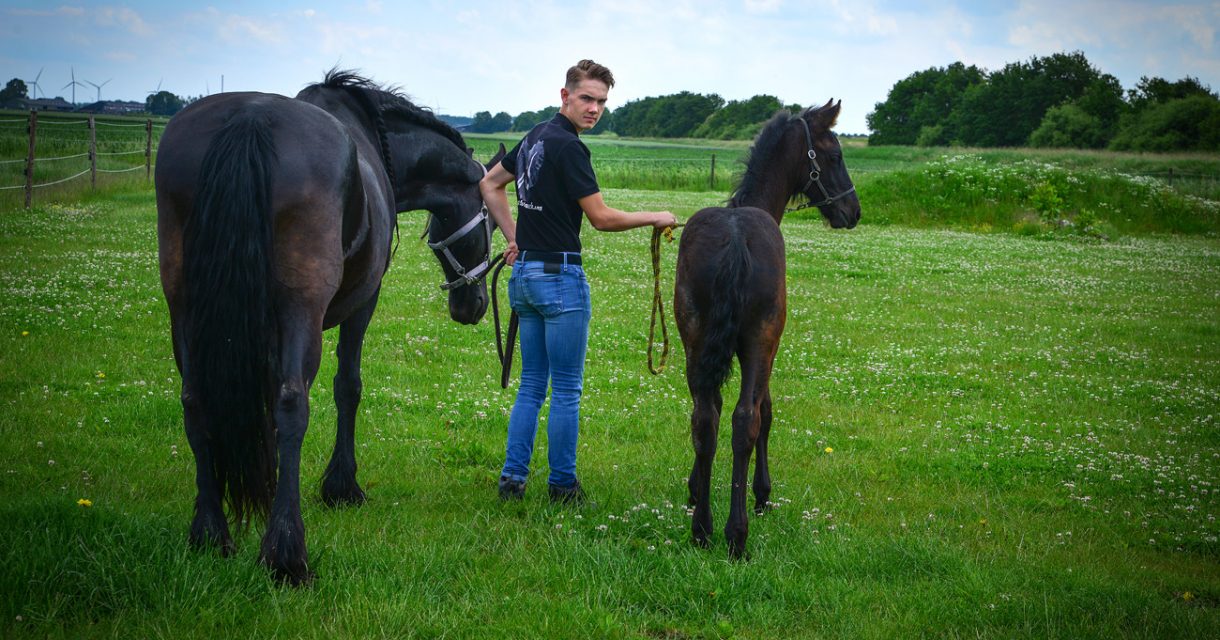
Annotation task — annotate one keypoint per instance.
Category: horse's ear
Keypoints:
(828, 114)
(495, 159)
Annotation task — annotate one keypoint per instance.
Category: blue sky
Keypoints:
(463, 57)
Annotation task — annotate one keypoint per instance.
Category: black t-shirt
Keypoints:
(553, 172)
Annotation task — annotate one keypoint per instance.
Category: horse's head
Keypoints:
(827, 184)
(434, 170)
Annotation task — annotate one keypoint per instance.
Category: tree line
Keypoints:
(1059, 100)
(162, 103)
(680, 115)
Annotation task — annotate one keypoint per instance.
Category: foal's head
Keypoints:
(823, 171)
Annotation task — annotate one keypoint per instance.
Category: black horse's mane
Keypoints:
(765, 146)
(391, 98)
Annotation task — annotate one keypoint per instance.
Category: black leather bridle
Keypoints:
(815, 177)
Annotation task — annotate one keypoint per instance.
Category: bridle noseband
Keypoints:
(479, 271)
(815, 177)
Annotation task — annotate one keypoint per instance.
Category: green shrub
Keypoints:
(1188, 124)
(1046, 201)
(1068, 125)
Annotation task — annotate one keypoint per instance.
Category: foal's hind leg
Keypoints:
(747, 425)
(705, 427)
(762, 469)
(339, 486)
(283, 547)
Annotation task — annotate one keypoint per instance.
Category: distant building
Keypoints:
(47, 104)
(114, 107)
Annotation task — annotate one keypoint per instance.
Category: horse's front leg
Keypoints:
(705, 427)
(339, 486)
(283, 549)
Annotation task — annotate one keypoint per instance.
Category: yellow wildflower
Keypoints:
(85, 502)
(829, 450)
(25, 333)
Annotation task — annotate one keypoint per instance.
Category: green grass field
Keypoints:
(982, 430)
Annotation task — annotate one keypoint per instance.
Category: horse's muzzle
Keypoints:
(468, 304)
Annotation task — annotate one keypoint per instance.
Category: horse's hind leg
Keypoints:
(705, 427)
(762, 470)
(283, 547)
(209, 526)
(339, 486)
(747, 424)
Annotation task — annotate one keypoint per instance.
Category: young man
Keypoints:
(556, 189)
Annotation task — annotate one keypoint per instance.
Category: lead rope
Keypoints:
(658, 307)
(504, 349)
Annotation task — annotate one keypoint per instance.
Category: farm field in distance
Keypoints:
(995, 416)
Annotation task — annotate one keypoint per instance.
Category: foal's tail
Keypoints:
(721, 322)
(231, 336)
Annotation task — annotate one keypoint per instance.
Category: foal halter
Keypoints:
(815, 177)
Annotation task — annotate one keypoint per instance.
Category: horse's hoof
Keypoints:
(703, 541)
(203, 537)
(352, 497)
(761, 508)
(297, 578)
(738, 553)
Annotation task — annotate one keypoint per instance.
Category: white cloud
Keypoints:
(236, 28)
(763, 6)
(123, 17)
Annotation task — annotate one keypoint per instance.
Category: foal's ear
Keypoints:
(828, 114)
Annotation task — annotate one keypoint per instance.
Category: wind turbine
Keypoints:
(99, 88)
(158, 89)
(73, 84)
(34, 84)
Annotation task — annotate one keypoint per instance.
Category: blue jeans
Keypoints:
(554, 315)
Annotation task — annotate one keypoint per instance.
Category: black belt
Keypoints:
(550, 257)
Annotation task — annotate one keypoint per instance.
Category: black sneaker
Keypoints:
(511, 489)
(568, 495)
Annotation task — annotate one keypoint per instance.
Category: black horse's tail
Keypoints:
(231, 332)
(721, 321)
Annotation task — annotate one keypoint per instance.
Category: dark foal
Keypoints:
(275, 221)
(730, 299)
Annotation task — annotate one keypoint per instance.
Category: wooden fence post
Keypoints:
(712, 182)
(92, 153)
(148, 149)
(29, 159)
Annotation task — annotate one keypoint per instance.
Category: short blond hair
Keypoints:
(586, 69)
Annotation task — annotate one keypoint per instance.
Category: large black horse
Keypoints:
(730, 298)
(275, 221)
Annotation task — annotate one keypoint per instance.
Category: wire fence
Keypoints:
(60, 149)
